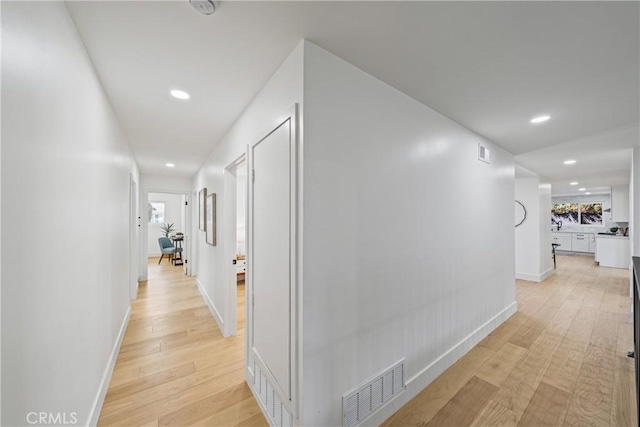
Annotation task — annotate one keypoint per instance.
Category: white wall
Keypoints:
(65, 269)
(0, 221)
(533, 236)
(544, 200)
(408, 238)
(282, 91)
(634, 203)
(173, 213)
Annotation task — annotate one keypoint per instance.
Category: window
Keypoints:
(577, 213)
(156, 212)
(591, 213)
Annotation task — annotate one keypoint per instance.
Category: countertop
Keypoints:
(574, 231)
(604, 236)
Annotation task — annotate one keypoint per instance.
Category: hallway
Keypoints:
(174, 367)
(561, 360)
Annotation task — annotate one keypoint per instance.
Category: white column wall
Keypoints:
(533, 236)
(544, 222)
(66, 168)
(408, 239)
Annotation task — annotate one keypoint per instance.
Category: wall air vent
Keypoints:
(484, 154)
(372, 395)
(279, 414)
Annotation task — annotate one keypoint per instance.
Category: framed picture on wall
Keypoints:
(202, 208)
(210, 225)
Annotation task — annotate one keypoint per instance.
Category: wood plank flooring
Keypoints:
(174, 367)
(560, 361)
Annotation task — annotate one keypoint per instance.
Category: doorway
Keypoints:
(169, 216)
(235, 184)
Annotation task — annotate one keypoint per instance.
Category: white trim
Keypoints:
(94, 414)
(229, 234)
(534, 277)
(212, 307)
(422, 379)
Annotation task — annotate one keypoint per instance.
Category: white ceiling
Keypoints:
(490, 66)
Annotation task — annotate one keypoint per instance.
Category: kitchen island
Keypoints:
(613, 251)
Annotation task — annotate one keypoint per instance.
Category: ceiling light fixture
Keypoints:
(587, 192)
(540, 119)
(581, 189)
(205, 7)
(170, 165)
(569, 162)
(180, 94)
(573, 183)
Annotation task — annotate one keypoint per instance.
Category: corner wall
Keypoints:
(408, 238)
(66, 169)
(533, 236)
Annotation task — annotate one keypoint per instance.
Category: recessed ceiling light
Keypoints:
(587, 192)
(180, 94)
(581, 189)
(169, 165)
(569, 162)
(540, 119)
(573, 183)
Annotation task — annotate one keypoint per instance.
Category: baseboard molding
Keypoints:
(212, 307)
(94, 414)
(422, 379)
(534, 277)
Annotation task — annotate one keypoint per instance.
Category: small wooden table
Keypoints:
(177, 257)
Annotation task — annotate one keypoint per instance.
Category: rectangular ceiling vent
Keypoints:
(484, 154)
(371, 395)
(279, 414)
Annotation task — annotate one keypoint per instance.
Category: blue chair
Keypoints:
(166, 247)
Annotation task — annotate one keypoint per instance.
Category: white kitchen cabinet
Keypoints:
(563, 239)
(592, 243)
(580, 242)
(620, 204)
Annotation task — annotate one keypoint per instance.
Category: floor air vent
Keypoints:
(359, 404)
(278, 413)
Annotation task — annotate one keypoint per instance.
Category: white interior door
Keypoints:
(270, 255)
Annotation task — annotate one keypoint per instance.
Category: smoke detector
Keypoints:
(205, 7)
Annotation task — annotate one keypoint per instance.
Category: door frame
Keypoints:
(230, 228)
(188, 235)
(134, 237)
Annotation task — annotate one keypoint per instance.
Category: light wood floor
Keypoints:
(174, 367)
(559, 361)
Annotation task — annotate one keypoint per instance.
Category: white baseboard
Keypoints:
(212, 307)
(534, 277)
(422, 379)
(94, 414)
